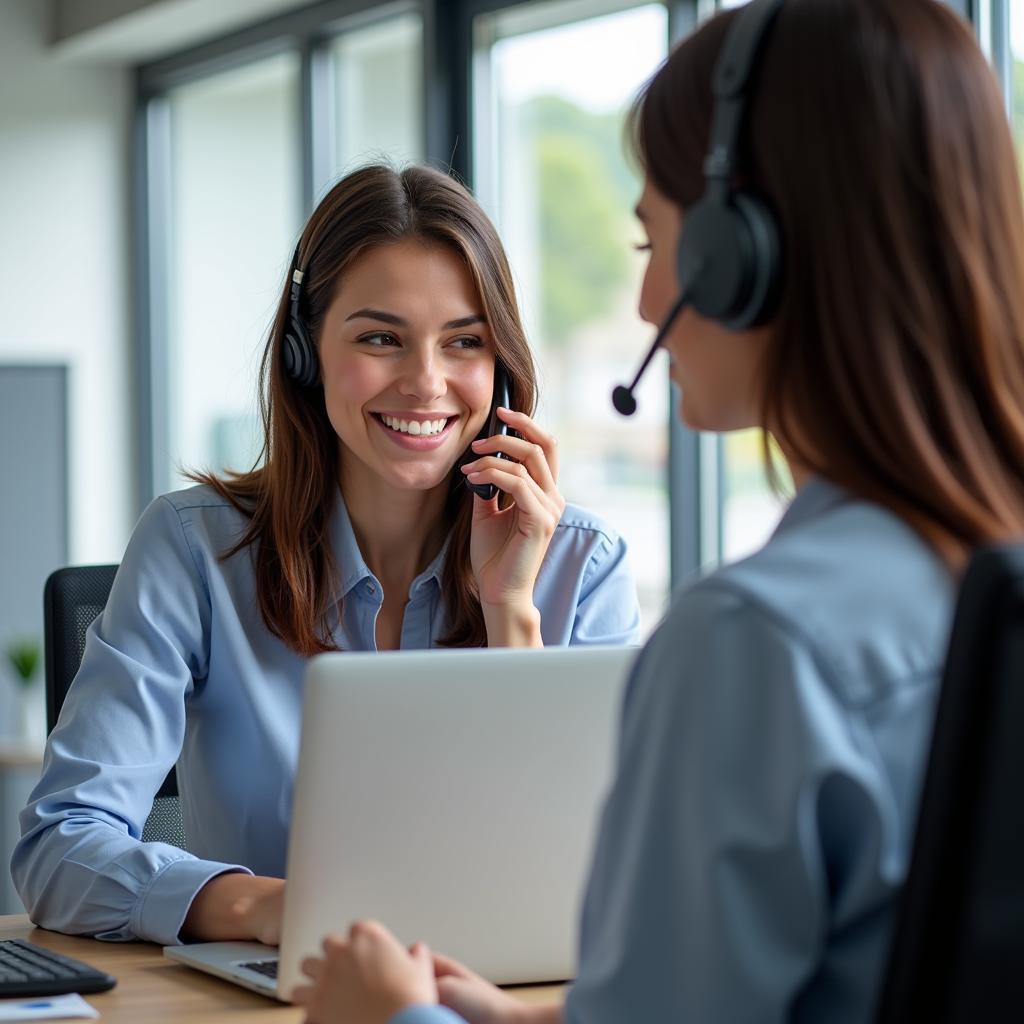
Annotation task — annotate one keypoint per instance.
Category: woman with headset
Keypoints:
(842, 217)
(396, 333)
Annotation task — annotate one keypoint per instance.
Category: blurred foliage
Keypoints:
(24, 656)
(586, 193)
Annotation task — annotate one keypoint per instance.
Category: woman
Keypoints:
(356, 532)
(759, 826)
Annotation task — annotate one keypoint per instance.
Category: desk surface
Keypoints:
(153, 989)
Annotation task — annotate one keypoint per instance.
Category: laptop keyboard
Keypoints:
(30, 970)
(268, 968)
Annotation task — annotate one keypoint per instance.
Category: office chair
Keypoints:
(72, 598)
(958, 948)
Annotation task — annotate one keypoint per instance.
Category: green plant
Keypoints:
(24, 657)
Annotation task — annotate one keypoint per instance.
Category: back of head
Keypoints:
(896, 364)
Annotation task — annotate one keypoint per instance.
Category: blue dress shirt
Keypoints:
(771, 753)
(180, 668)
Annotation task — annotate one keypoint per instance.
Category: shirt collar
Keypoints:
(816, 496)
(349, 558)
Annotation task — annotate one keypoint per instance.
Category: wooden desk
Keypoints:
(151, 988)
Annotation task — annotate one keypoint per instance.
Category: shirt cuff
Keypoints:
(163, 907)
(424, 1013)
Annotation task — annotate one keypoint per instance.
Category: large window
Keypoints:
(235, 208)
(377, 86)
(551, 91)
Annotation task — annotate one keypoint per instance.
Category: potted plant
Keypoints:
(24, 657)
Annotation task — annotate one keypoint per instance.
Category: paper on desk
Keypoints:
(46, 1008)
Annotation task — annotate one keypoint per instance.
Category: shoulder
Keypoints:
(852, 586)
(582, 526)
(587, 544)
(197, 516)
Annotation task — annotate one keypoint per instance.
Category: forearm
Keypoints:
(512, 627)
(226, 908)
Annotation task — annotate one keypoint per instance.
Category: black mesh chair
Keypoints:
(958, 950)
(73, 597)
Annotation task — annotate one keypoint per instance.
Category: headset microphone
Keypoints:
(622, 397)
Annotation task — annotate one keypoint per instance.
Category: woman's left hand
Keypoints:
(508, 545)
(367, 977)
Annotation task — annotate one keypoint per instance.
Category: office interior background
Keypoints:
(157, 160)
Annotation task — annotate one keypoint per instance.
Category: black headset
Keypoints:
(729, 258)
(298, 351)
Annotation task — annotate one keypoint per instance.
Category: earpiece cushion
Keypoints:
(729, 258)
(300, 359)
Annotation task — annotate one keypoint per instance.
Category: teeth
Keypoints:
(415, 427)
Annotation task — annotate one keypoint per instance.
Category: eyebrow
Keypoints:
(397, 321)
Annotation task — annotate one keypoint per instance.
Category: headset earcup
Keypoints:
(761, 297)
(299, 355)
(729, 260)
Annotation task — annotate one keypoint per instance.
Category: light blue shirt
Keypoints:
(771, 754)
(180, 663)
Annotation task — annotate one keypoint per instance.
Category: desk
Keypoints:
(151, 988)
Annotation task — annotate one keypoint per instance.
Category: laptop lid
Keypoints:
(454, 796)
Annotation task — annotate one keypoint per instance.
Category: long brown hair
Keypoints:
(895, 365)
(289, 496)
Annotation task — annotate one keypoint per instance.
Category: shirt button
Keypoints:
(371, 588)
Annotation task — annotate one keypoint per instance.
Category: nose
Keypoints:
(423, 377)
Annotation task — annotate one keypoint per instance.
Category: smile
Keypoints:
(415, 434)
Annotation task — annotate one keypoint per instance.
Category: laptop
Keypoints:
(452, 795)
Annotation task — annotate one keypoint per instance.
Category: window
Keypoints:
(551, 90)
(377, 92)
(235, 207)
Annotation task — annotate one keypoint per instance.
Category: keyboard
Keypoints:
(29, 970)
(268, 968)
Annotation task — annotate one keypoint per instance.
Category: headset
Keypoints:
(729, 259)
(298, 351)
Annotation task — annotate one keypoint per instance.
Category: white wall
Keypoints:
(64, 270)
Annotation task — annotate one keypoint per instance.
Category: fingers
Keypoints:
(534, 447)
(312, 967)
(528, 429)
(446, 966)
(514, 479)
(527, 453)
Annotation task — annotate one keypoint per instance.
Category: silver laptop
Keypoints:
(454, 796)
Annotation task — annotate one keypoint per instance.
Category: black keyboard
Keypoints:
(268, 968)
(28, 970)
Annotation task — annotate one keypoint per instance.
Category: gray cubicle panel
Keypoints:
(33, 542)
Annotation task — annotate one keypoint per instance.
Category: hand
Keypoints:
(472, 997)
(237, 906)
(508, 545)
(367, 977)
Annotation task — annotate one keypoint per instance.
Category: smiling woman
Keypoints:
(356, 531)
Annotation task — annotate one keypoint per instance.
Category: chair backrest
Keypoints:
(958, 948)
(72, 599)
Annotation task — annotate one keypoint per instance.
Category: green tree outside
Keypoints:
(586, 191)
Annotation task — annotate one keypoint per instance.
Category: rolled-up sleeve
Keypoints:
(80, 866)
(709, 892)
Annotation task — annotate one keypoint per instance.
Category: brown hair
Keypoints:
(896, 360)
(289, 496)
